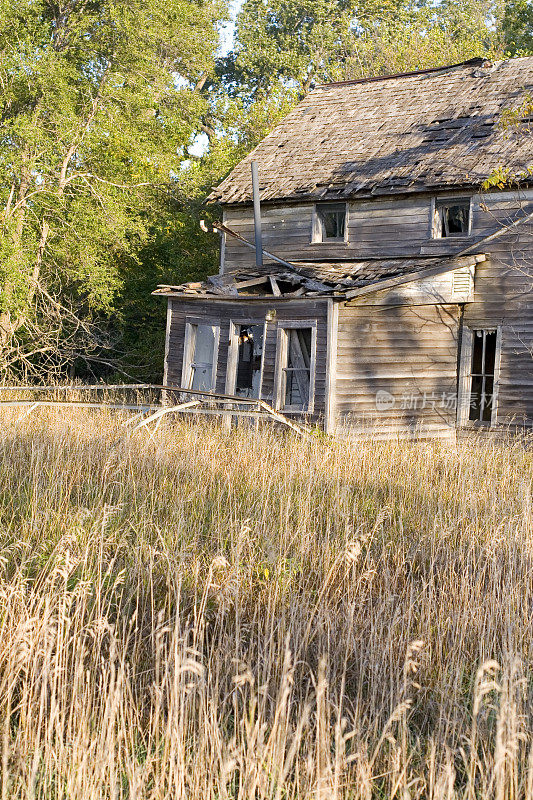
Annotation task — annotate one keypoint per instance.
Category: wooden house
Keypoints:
(395, 296)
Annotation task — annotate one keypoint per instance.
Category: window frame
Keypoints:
(436, 220)
(465, 377)
(282, 341)
(191, 326)
(318, 229)
(233, 353)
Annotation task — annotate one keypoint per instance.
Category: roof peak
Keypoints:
(471, 62)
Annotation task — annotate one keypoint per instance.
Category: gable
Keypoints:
(407, 133)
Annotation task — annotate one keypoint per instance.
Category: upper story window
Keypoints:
(329, 224)
(452, 217)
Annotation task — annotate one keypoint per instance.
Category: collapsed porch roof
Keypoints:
(340, 279)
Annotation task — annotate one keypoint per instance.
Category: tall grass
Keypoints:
(249, 615)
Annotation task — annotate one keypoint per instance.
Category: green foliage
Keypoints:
(498, 179)
(428, 35)
(517, 25)
(176, 250)
(99, 106)
(294, 44)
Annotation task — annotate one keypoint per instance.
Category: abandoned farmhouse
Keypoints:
(389, 292)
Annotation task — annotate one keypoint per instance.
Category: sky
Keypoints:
(226, 42)
(226, 36)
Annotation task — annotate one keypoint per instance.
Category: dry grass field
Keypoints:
(201, 615)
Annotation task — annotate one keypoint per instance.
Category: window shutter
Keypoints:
(496, 387)
(465, 377)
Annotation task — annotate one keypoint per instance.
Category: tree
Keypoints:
(100, 101)
(294, 43)
(517, 25)
(175, 250)
(428, 35)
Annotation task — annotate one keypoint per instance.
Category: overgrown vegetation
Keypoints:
(250, 615)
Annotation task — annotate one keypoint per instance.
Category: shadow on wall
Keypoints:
(398, 368)
(504, 298)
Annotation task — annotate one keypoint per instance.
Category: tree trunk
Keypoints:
(9, 325)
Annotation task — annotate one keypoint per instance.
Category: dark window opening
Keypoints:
(483, 365)
(249, 360)
(452, 218)
(331, 222)
(286, 287)
(298, 370)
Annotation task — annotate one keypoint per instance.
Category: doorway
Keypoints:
(245, 363)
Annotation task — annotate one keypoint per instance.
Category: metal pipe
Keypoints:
(257, 216)
(224, 228)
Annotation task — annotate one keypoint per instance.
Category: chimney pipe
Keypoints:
(257, 216)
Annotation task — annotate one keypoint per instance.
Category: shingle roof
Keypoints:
(405, 133)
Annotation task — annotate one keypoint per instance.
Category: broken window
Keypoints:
(483, 368)
(201, 348)
(330, 222)
(452, 218)
(249, 360)
(296, 373)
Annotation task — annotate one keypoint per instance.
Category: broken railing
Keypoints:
(173, 400)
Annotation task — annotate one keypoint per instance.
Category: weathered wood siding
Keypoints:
(390, 227)
(224, 312)
(397, 369)
(503, 296)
